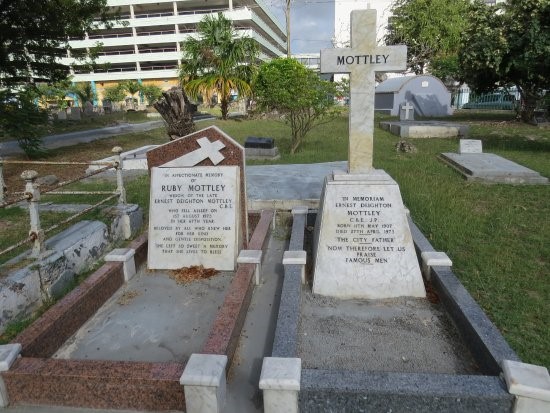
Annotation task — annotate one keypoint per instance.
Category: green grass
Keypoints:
(496, 235)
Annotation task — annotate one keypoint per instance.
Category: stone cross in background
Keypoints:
(409, 111)
(362, 61)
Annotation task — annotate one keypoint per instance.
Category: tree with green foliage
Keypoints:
(297, 94)
(54, 92)
(509, 44)
(218, 62)
(84, 93)
(114, 93)
(34, 35)
(152, 93)
(431, 29)
(21, 119)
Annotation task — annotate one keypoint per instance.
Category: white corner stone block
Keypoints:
(204, 383)
(296, 258)
(433, 259)
(530, 384)
(280, 382)
(8, 355)
(252, 257)
(126, 256)
(528, 405)
(301, 209)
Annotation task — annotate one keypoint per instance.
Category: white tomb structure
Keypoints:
(363, 244)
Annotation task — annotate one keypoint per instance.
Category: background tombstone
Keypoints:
(426, 93)
(218, 168)
(470, 146)
(74, 114)
(89, 108)
(363, 245)
(406, 111)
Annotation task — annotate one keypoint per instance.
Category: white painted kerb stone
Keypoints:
(8, 355)
(280, 382)
(204, 383)
(527, 381)
(126, 256)
(252, 257)
(296, 258)
(433, 259)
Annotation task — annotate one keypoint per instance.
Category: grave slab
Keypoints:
(425, 129)
(491, 168)
(151, 319)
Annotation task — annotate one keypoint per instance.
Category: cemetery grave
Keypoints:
(412, 96)
(361, 313)
(475, 165)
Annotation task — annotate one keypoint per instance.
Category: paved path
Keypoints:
(85, 136)
(74, 138)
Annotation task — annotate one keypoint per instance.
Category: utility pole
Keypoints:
(287, 15)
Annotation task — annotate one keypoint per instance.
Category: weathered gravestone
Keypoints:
(198, 213)
(74, 113)
(363, 244)
(89, 108)
(470, 146)
(406, 111)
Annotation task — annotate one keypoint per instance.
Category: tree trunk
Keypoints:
(177, 111)
(224, 105)
(528, 105)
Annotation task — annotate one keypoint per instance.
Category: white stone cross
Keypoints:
(207, 150)
(407, 107)
(362, 61)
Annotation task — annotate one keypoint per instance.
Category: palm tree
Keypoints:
(84, 92)
(132, 87)
(218, 61)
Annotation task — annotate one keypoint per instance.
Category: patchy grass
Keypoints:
(496, 235)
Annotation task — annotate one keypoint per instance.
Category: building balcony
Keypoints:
(116, 75)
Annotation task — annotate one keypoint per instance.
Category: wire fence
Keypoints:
(32, 196)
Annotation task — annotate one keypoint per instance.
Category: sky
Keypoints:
(311, 24)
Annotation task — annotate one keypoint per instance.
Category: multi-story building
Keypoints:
(144, 44)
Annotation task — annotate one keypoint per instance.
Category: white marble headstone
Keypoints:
(364, 247)
(363, 244)
(194, 217)
(470, 146)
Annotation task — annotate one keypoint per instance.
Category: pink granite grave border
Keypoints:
(228, 324)
(37, 379)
